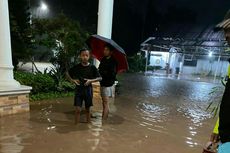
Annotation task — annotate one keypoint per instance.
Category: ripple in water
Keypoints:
(195, 113)
(152, 115)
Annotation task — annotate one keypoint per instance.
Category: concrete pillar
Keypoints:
(104, 28)
(6, 66)
(105, 20)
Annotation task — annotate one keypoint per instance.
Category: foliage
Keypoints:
(154, 68)
(44, 85)
(136, 63)
(43, 82)
(39, 82)
(62, 35)
(20, 30)
(61, 84)
(216, 95)
(50, 95)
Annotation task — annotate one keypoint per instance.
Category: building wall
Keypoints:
(159, 59)
(13, 104)
(42, 66)
(205, 67)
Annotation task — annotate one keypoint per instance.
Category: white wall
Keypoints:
(40, 65)
(160, 60)
(205, 67)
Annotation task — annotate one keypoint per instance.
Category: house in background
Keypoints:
(189, 51)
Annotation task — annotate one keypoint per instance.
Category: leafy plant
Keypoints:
(20, 30)
(63, 36)
(216, 95)
(44, 86)
(136, 63)
(39, 82)
(59, 77)
(50, 95)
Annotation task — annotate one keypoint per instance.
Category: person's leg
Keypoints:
(87, 110)
(88, 102)
(77, 114)
(105, 102)
(106, 92)
(78, 104)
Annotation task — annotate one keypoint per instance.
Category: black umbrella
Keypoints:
(97, 44)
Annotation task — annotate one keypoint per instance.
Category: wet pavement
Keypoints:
(151, 115)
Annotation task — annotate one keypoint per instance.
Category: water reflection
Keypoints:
(153, 111)
(194, 112)
(12, 135)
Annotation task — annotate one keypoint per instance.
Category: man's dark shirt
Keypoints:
(107, 70)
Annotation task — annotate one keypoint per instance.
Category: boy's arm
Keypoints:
(77, 82)
(96, 74)
(89, 81)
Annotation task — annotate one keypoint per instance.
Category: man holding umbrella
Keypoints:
(113, 60)
(107, 70)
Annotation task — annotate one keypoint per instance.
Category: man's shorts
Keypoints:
(83, 94)
(107, 91)
(224, 148)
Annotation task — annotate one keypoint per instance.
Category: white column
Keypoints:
(6, 67)
(105, 19)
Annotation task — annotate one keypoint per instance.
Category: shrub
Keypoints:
(136, 63)
(65, 86)
(39, 82)
(50, 95)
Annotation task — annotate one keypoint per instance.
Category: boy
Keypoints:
(83, 75)
(107, 70)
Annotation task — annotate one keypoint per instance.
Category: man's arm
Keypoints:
(215, 135)
(89, 81)
(77, 82)
(97, 77)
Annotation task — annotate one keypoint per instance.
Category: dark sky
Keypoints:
(136, 20)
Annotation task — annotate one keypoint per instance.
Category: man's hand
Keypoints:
(214, 137)
(88, 82)
(77, 82)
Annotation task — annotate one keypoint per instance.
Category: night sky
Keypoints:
(136, 20)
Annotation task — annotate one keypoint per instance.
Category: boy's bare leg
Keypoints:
(77, 114)
(88, 115)
(105, 112)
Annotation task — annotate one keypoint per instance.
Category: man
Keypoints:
(83, 75)
(107, 70)
(224, 121)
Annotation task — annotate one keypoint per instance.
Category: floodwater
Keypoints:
(150, 115)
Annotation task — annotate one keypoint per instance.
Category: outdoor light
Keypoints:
(43, 6)
(210, 54)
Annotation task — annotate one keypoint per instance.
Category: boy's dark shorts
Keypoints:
(85, 94)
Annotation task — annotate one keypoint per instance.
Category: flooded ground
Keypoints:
(151, 115)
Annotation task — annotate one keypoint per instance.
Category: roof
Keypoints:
(188, 38)
(224, 24)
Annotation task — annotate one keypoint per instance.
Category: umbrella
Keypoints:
(97, 44)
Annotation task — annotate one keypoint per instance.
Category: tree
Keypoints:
(62, 35)
(20, 30)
